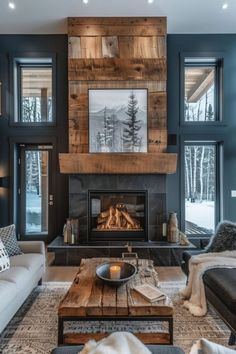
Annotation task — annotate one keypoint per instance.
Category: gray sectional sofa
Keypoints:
(220, 289)
(16, 283)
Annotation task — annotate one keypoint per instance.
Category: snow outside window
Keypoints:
(200, 186)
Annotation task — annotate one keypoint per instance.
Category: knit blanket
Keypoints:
(194, 292)
(116, 343)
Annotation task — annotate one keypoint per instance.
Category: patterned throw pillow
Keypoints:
(8, 237)
(4, 258)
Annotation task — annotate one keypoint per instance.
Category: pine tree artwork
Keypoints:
(131, 138)
(117, 120)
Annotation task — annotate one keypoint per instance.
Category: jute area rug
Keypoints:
(33, 330)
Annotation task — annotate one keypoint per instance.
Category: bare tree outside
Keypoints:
(200, 188)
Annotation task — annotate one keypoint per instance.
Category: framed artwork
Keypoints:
(118, 120)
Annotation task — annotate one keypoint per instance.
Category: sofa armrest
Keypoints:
(32, 247)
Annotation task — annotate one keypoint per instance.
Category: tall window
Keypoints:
(200, 188)
(34, 91)
(35, 193)
(202, 80)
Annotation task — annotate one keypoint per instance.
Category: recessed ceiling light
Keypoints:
(11, 5)
(150, 1)
(225, 6)
(85, 2)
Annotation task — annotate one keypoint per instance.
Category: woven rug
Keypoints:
(33, 330)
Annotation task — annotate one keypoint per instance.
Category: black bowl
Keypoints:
(127, 272)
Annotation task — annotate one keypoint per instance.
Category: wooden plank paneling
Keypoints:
(78, 116)
(112, 26)
(157, 115)
(91, 47)
(117, 69)
(126, 47)
(118, 163)
(149, 47)
(157, 140)
(117, 52)
(121, 21)
(76, 87)
(110, 47)
(74, 47)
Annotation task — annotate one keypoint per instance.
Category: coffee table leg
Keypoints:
(171, 330)
(60, 331)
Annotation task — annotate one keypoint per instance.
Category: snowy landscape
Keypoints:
(201, 214)
(118, 120)
(33, 212)
(200, 187)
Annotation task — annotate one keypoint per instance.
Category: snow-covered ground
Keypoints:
(201, 214)
(33, 212)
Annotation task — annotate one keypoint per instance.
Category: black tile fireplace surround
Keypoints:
(154, 186)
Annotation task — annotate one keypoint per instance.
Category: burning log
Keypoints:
(117, 218)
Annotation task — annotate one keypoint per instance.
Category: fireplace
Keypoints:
(117, 215)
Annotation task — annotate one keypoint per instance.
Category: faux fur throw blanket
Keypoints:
(116, 343)
(204, 346)
(194, 292)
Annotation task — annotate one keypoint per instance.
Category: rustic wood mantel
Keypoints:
(144, 163)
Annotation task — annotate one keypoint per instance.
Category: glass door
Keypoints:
(36, 198)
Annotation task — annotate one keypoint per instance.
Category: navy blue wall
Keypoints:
(225, 46)
(54, 44)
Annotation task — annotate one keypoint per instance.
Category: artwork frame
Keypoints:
(118, 120)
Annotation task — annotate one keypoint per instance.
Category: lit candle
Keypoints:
(115, 272)
(164, 229)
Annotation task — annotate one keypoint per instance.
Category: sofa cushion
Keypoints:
(8, 292)
(224, 238)
(31, 261)
(223, 282)
(17, 275)
(8, 237)
(4, 258)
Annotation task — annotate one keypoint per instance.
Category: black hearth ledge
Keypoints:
(58, 243)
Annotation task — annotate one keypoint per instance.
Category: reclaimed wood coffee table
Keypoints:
(88, 299)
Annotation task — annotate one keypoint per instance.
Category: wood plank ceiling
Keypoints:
(198, 80)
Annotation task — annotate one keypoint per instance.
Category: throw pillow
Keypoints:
(204, 346)
(4, 258)
(224, 238)
(8, 237)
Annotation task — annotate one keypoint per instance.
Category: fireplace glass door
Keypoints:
(117, 215)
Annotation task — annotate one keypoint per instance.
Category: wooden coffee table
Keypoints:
(88, 299)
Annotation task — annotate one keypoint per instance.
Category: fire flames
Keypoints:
(117, 218)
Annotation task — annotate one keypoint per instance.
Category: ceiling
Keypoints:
(184, 16)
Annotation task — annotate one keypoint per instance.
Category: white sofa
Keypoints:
(24, 275)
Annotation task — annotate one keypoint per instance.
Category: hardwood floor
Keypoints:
(67, 274)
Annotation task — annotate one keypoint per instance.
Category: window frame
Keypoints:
(219, 145)
(15, 182)
(203, 59)
(22, 196)
(29, 60)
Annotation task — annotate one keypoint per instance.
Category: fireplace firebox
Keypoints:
(117, 215)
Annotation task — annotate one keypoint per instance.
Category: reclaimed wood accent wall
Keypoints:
(117, 53)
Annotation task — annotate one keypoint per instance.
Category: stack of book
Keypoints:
(150, 292)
